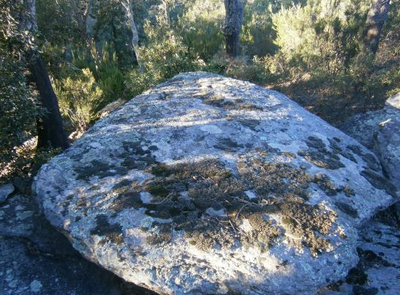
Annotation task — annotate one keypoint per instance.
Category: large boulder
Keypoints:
(210, 185)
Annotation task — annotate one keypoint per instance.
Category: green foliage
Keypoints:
(161, 61)
(319, 58)
(110, 78)
(18, 105)
(258, 34)
(84, 87)
(240, 68)
(321, 35)
(200, 28)
(162, 58)
(306, 48)
(29, 161)
(78, 96)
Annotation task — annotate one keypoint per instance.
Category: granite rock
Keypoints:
(5, 191)
(210, 185)
(380, 132)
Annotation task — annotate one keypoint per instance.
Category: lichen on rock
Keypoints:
(204, 181)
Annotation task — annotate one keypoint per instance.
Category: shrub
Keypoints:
(19, 107)
(201, 28)
(110, 79)
(163, 57)
(78, 97)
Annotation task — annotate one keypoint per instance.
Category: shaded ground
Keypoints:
(36, 259)
(329, 102)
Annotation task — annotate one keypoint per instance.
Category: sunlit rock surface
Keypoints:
(210, 185)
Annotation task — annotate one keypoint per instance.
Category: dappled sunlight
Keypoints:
(179, 174)
(243, 184)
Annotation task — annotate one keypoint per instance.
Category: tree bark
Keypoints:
(377, 16)
(127, 4)
(233, 22)
(86, 24)
(89, 19)
(50, 127)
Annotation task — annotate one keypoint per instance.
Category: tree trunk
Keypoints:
(50, 127)
(233, 22)
(86, 25)
(127, 4)
(377, 16)
(89, 19)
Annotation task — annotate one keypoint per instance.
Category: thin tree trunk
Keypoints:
(86, 31)
(127, 4)
(50, 127)
(377, 16)
(88, 19)
(233, 22)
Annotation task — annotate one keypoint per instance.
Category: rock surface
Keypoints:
(380, 132)
(36, 259)
(53, 267)
(5, 191)
(206, 184)
(378, 271)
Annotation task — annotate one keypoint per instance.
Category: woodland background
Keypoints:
(100, 51)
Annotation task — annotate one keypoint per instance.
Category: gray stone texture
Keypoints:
(210, 185)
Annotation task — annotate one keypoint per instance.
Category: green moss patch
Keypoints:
(325, 184)
(346, 208)
(135, 157)
(304, 222)
(160, 234)
(95, 168)
(185, 193)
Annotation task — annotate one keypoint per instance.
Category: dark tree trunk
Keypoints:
(377, 16)
(50, 126)
(233, 23)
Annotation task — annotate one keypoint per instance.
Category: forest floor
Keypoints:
(37, 259)
(335, 109)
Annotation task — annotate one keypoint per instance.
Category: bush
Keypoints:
(110, 79)
(321, 35)
(19, 107)
(258, 34)
(163, 57)
(78, 97)
(201, 28)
